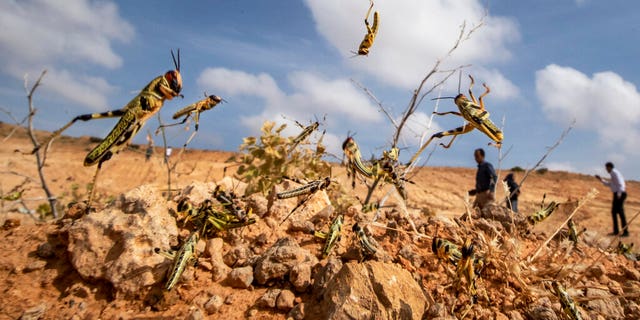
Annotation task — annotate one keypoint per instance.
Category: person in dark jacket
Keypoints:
(514, 191)
(485, 181)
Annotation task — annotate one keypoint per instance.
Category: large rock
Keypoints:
(116, 244)
(370, 290)
(609, 307)
(278, 260)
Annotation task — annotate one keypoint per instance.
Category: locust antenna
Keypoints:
(176, 63)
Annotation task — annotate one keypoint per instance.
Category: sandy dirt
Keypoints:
(27, 281)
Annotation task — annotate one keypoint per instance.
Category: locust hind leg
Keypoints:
(483, 95)
(473, 98)
(83, 117)
(455, 132)
(106, 157)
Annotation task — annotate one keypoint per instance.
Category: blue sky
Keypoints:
(547, 62)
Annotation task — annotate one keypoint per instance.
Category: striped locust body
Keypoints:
(226, 200)
(354, 160)
(476, 117)
(466, 269)
(573, 231)
(306, 132)
(372, 31)
(194, 109)
(332, 237)
(366, 247)
(543, 213)
(627, 251)
(568, 305)
(181, 259)
(446, 250)
(308, 189)
(205, 216)
(132, 117)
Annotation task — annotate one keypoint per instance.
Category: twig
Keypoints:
(373, 97)
(607, 248)
(39, 160)
(166, 157)
(526, 174)
(586, 199)
(18, 123)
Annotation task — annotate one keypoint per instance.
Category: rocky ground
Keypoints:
(103, 265)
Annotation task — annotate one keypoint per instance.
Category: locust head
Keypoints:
(173, 79)
(460, 98)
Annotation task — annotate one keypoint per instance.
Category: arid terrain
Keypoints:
(37, 277)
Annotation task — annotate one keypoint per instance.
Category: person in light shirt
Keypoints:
(617, 186)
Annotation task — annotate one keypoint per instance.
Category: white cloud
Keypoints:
(413, 34)
(38, 34)
(313, 95)
(561, 166)
(417, 130)
(604, 103)
(344, 104)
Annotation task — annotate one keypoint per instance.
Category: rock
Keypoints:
(278, 260)
(515, 315)
(304, 226)
(632, 310)
(609, 307)
(34, 266)
(34, 313)
(195, 314)
(500, 316)
(118, 247)
(504, 216)
(324, 274)
(238, 256)
(258, 204)
(408, 253)
(285, 300)
(596, 271)
(11, 223)
(268, 299)
(213, 249)
(230, 299)
(45, 251)
(300, 276)
(370, 290)
(541, 311)
(297, 313)
(631, 274)
(240, 277)
(214, 304)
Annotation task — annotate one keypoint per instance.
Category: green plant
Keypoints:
(517, 169)
(266, 160)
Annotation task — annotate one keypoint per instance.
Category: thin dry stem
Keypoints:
(555, 145)
(592, 194)
(39, 160)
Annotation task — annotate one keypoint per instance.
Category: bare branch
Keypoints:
(39, 160)
(373, 97)
(166, 157)
(592, 194)
(526, 174)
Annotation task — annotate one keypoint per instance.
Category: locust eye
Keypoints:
(175, 80)
(215, 98)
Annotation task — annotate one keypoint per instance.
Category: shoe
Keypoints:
(612, 234)
(626, 234)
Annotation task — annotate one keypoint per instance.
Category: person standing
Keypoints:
(485, 181)
(514, 192)
(617, 186)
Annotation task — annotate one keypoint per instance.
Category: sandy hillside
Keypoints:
(26, 283)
